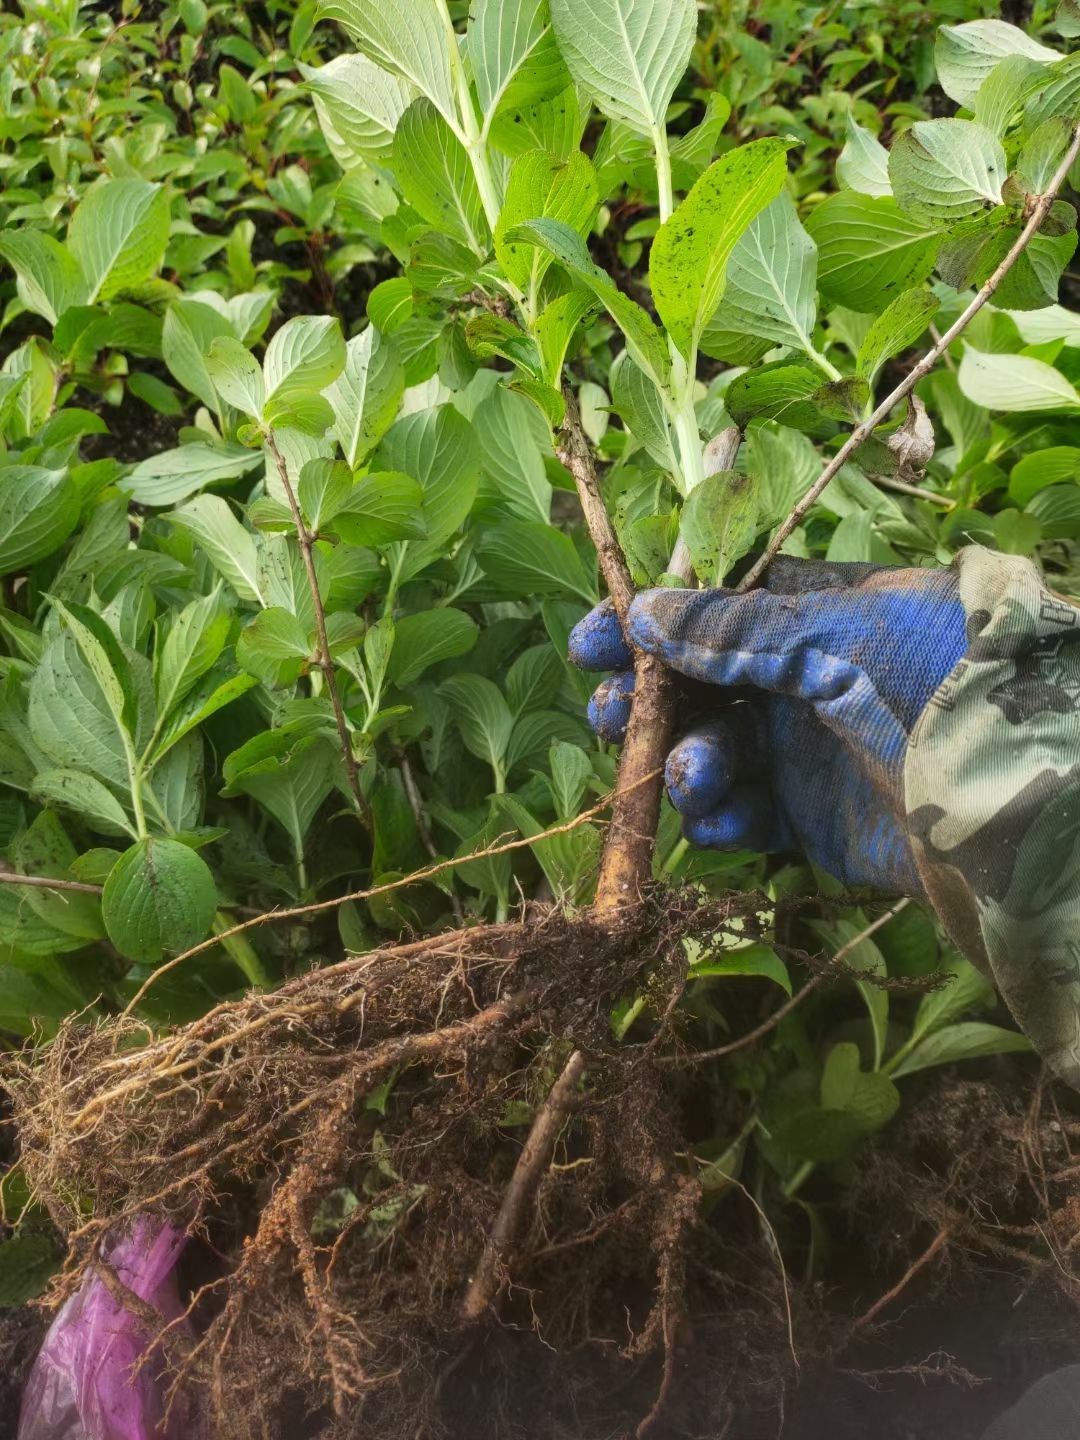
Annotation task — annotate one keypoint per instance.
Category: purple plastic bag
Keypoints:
(82, 1386)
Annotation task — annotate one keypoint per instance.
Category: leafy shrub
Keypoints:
(311, 636)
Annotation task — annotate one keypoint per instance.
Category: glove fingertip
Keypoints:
(597, 643)
(743, 822)
(699, 772)
(609, 708)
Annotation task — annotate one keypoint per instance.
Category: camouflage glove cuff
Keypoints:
(992, 794)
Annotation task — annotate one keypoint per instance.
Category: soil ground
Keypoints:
(989, 1328)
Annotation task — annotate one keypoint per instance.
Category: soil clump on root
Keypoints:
(432, 1197)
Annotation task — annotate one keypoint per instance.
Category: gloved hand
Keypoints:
(819, 680)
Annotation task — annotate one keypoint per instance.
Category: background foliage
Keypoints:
(289, 297)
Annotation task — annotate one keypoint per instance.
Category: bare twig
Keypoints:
(534, 1159)
(903, 488)
(45, 882)
(326, 664)
(863, 431)
(292, 912)
(770, 1024)
(869, 1316)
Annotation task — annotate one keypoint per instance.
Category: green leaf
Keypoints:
(359, 105)
(869, 250)
(366, 395)
(543, 185)
(555, 329)
(236, 376)
(863, 163)
(719, 523)
(71, 717)
(771, 288)
(438, 448)
(43, 848)
(106, 661)
(1058, 93)
(1046, 467)
(482, 715)
(75, 790)
(173, 475)
(380, 508)
(323, 487)
(212, 693)
(190, 328)
(641, 407)
(27, 1263)
(866, 957)
(189, 647)
(304, 356)
(49, 279)
(512, 460)
(227, 545)
(966, 1041)
(38, 511)
(289, 773)
(643, 338)
(627, 55)
(688, 261)
(422, 640)
(555, 125)
(785, 464)
(898, 326)
(410, 38)
(274, 647)
(160, 896)
(571, 772)
(966, 987)
(871, 1099)
(513, 55)
(944, 170)
(1042, 153)
(776, 392)
(434, 174)
(118, 235)
(527, 558)
(1014, 382)
(1055, 511)
(569, 861)
(965, 54)
(1003, 92)
(752, 959)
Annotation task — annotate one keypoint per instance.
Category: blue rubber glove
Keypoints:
(821, 679)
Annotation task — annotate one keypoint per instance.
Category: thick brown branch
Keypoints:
(533, 1161)
(326, 663)
(862, 432)
(626, 865)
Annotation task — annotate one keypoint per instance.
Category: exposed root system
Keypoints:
(373, 1115)
(436, 1198)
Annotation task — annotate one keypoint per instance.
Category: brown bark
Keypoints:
(626, 864)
